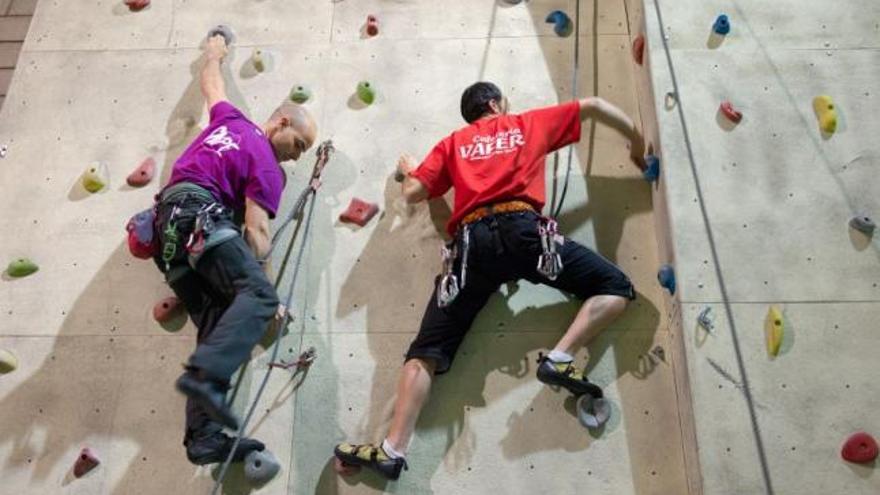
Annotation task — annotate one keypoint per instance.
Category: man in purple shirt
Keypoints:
(231, 171)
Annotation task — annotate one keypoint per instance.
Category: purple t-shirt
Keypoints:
(233, 159)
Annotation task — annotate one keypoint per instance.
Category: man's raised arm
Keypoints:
(213, 87)
(600, 110)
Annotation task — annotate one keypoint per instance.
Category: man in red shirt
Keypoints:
(496, 165)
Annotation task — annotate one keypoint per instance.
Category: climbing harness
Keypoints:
(556, 208)
(549, 261)
(305, 221)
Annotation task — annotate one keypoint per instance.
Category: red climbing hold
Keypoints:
(639, 49)
(731, 113)
(372, 25)
(136, 5)
(86, 461)
(359, 212)
(166, 309)
(859, 447)
(143, 174)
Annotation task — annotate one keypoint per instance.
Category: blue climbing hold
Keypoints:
(722, 25)
(652, 168)
(562, 24)
(666, 277)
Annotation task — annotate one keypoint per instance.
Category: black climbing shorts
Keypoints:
(504, 248)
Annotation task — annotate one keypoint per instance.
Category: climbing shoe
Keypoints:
(210, 395)
(566, 375)
(214, 447)
(372, 457)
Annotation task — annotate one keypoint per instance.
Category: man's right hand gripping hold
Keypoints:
(496, 167)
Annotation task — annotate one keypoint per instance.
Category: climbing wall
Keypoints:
(755, 214)
(98, 83)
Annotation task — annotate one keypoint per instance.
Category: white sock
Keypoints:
(392, 453)
(560, 357)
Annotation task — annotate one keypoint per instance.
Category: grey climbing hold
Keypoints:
(260, 467)
(593, 412)
(704, 320)
(863, 224)
(223, 30)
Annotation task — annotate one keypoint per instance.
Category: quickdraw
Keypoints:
(549, 262)
(169, 248)
(449, 286)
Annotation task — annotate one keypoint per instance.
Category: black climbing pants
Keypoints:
(231, 302)
(505, 247)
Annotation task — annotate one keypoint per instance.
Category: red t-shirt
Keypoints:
(499, 159)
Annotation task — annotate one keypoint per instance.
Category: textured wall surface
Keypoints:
(756, 214)
(97, 82)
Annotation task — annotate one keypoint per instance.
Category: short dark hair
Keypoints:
(475, 100)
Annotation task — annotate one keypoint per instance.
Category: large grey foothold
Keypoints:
(225, 31)
(593, 413)
(260, 467)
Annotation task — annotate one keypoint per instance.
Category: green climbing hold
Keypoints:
(366, 92)
(22, 267)
(8, 362)
(300, 94)
(95, 177)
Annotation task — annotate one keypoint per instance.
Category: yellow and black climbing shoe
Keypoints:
(566, 375)
(370, 456)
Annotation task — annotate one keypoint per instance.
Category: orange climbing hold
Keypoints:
(860, 448)
(137, 5)
(639, 49)
(167, 309)
(359, 212)
(143, 174)
(86, 461)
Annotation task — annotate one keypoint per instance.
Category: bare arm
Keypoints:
(413, 189)
(213, 87)
(600, 110)
(256, 229)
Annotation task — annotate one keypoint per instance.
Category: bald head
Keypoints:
(291, 130)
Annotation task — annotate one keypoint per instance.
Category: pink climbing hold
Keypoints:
(860, 448)
(86, 461)
(731, 113)
(137, 5)
(143, 174)
(639, 49)
(166, 309)
(372, 25)
(359, 212)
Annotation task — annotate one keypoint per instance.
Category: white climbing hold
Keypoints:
(260, 467)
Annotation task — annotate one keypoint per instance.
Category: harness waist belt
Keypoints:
(505, 207)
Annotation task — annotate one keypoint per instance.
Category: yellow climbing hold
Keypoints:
(8, 362)
(95, 177)
(823, 105)
(774, 326)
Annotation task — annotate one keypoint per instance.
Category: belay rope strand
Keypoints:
(308, 195)
(556, 208)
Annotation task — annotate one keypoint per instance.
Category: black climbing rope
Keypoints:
(756, 431)
(304, 218)
(556, 208)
